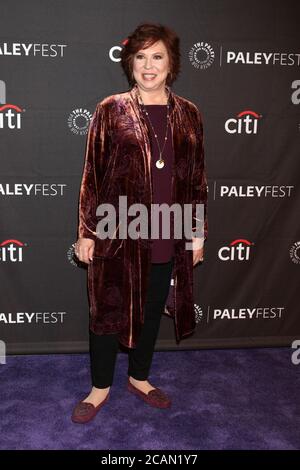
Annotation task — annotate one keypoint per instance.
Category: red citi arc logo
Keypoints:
(238, 250)
(11, 251)
(10, 116)
(245, 123)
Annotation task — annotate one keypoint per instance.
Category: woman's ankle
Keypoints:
(97, 390)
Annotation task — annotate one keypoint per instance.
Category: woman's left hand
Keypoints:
(197, 252)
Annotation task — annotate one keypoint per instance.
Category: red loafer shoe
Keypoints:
(85, 412)
(156, 397)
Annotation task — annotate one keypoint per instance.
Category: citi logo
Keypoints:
(10, 114)
(11, 251)
(238, 250)
(245, 123)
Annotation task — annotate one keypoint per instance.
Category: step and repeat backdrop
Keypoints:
(241, 67)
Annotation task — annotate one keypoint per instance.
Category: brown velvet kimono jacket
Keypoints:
(118, 162)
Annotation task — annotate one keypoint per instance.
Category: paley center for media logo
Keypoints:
(201, 55)
(198, 313)
(11, 251)
(71, 256)
(10, 114)
(246, 122)
(295, 252)
(79, 120)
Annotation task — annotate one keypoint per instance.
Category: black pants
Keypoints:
(104, 348)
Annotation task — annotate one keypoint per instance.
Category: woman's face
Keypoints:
(151, 66)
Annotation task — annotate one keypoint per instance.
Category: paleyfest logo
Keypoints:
(10, 114)
(32, 49)
(263, 58)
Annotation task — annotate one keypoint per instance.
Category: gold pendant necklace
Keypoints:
(160, 163)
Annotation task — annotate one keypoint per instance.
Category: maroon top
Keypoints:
(162, 249)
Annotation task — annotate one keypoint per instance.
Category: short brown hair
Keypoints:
(143, 37)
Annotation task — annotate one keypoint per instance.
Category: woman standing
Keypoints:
(145, 144)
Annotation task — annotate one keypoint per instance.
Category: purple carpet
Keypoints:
(222, 399)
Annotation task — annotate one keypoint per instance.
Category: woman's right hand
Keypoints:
(84, 249)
